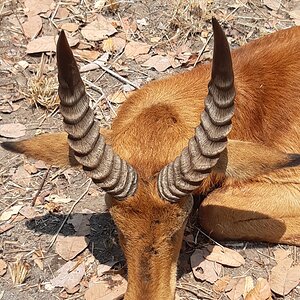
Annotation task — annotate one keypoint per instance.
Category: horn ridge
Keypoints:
(182, 176)
(98, 159)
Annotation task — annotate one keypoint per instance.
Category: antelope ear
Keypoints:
(245, 160)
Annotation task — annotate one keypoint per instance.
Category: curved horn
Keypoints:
(99, 161)
(185, 173)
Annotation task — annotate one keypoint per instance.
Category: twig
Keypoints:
(116, 75)
(198, 295)
(69, 213)
(40, 187)
(98, 89)
(211, 239)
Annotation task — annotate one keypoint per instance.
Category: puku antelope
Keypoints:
(157, 155)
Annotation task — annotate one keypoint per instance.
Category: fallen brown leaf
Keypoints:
(28, 212)
(221, 284)
(204, 269)
(41, 44)
(71, 27)
(235, 288)
(3, 267)
(81, 224)
(133, 49)
(32, 26)
(225, 256)
(69, 275)
(89, 55)
(6, 215)
(103, 268)
(159, 62)
(21, 176)
(98, 30)
(5, 227)
(284, 277)
(261, 291)
(273, 4)
(114, 44)
(281, 254)
(35, 7)
(107, 290)
(12, 130)
(69, 247)
(117, 97)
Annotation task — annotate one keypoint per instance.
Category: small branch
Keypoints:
(116, 75)
(40, 187)
(69, 213)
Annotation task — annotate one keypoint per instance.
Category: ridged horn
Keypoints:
(182, 176)
(106, 168)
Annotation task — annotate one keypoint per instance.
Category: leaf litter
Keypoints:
(152, 49)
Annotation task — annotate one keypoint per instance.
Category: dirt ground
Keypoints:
(166, 26)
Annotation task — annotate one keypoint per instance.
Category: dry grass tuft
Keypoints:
(19, 271)
(188, 15)
(42, 91)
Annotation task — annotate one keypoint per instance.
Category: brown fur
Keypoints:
(258, 197)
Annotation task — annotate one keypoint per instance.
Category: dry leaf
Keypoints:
(21, 176)
(58, 199)
(87, 54)
(284, 277)
(3, 267)
(129, 25)
(32, 26)
(69, 247)
(98, 30)
(225, 256)
(41, 44)
(37, 260)
(235, 288)
(273, 4)
(28, 212)
(62, 13)
(12, 130)
(221, 284)
(117, 97)
(249, 285)
(69, 275)
(35, 7)
(71, 27)
(261, 291)
(204, 269)
(114, 44)
(107, 290)
(133, 49)
(281, 254)
(5, 227)
(6, 215)
(31, 169)
(103, 268)
(158, 62)
(81, 224)
(52, 207)
(295, 14)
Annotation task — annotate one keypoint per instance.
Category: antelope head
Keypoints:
(150, 213)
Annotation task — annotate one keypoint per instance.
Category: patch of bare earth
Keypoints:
(60, 247)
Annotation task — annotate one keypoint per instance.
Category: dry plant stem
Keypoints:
(211, 239)
(69, 213)
(116, 75)
(40, 187)
(198, 295)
